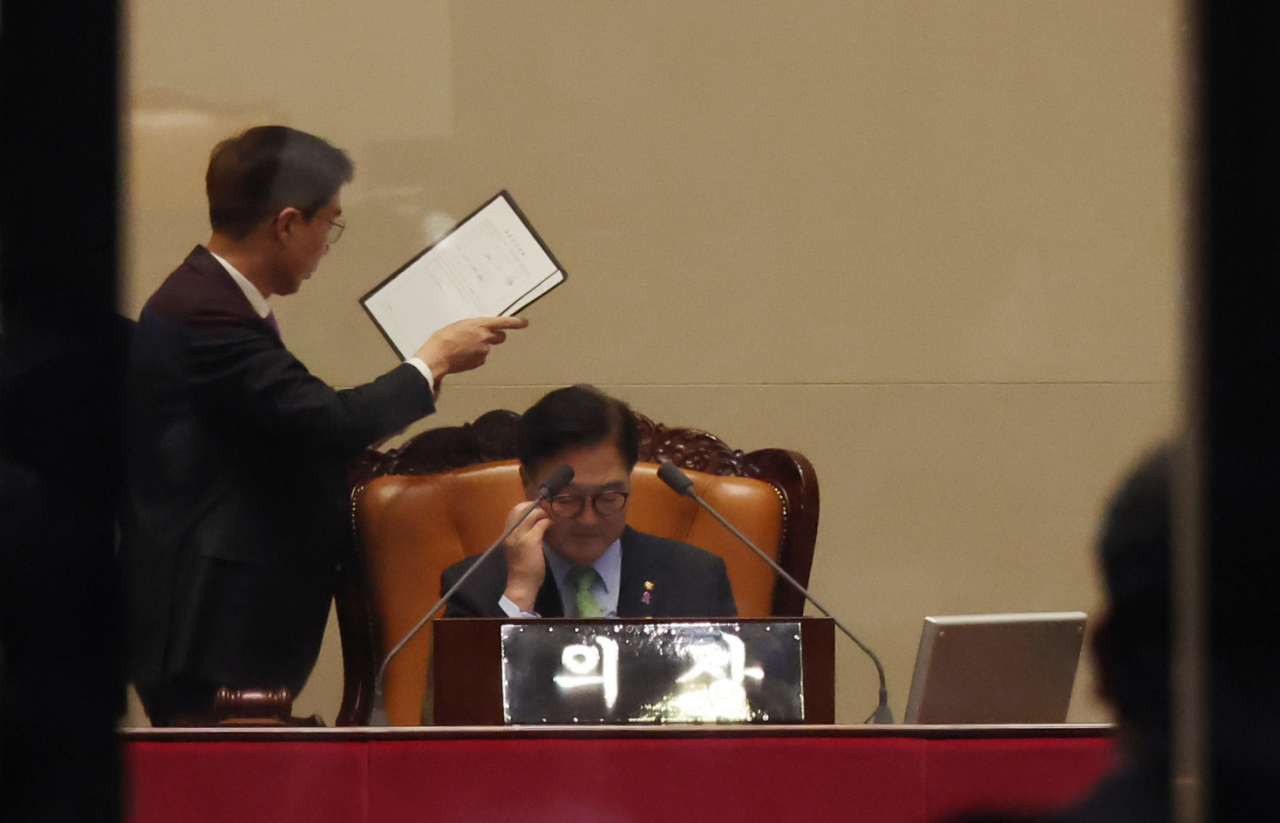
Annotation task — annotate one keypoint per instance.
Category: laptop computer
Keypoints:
(996, 668)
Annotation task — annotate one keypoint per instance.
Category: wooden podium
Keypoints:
(470, 661)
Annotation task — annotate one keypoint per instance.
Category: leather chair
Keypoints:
(445, 495)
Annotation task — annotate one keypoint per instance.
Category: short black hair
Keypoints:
(574, 417)
(255, 174)
(1133, 645)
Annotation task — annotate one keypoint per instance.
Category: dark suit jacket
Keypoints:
(1136, 791)
(236, 511)
(687, 582)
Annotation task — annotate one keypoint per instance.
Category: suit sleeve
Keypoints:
(473, 599)
(725, 606)
(243, 370)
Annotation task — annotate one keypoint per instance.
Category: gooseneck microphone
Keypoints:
(555, 482)
(683, 486)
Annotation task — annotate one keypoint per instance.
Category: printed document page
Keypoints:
(491, 264)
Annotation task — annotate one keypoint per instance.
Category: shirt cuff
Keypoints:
(510, 609)
(421, 365)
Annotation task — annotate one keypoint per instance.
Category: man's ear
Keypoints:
(286, 222)
(526, 482)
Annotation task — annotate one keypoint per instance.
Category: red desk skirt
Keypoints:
(896, 775)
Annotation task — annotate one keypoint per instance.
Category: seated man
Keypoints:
(575, 556)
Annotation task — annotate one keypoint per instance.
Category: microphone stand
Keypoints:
(682, 485)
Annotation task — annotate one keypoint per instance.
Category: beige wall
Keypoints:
(935, 246)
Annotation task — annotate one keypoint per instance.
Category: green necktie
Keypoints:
(583, 578)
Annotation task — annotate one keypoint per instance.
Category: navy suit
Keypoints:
(686, 582)
(236, 511)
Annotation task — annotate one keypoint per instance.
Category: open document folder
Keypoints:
(492, 264)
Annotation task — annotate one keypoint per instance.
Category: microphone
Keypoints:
(683, 486)
(559, 477)
(554, 483)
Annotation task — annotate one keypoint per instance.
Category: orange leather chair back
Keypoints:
(413, 527)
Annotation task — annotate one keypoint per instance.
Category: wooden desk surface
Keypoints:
(734, 774)
(703, 730)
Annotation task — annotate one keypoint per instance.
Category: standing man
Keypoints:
(575, 556)
(236, 514)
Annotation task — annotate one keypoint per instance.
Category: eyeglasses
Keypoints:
(604, 503)
(335, 230)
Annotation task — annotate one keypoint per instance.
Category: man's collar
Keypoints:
(251, 292)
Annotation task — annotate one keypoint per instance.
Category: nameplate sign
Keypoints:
(606, 672)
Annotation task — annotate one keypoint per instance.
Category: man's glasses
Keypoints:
(605, 503)
(335, 231)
